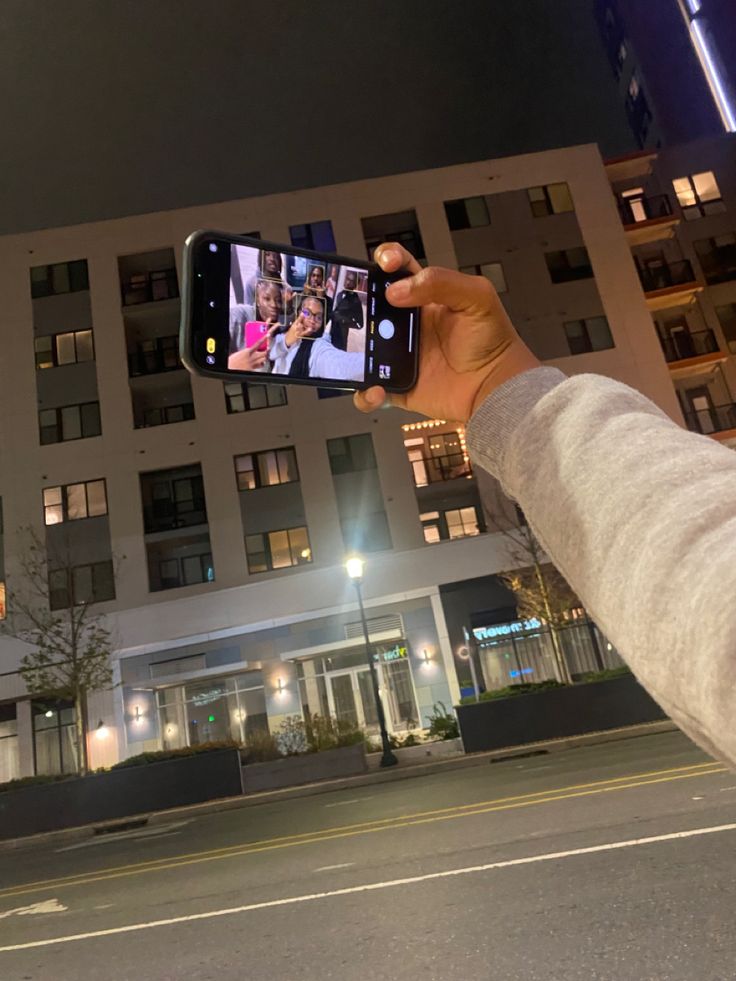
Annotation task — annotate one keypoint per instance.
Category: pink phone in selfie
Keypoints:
(255, 331)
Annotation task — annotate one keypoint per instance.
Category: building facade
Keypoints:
(209, 523)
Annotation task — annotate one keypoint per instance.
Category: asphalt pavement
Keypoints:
(602, 863)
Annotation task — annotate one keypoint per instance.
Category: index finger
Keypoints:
(392, 256)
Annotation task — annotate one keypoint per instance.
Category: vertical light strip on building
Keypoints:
(709, 61)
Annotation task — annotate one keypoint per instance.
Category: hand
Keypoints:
(250, 358)
(468, 346)
(300, 328)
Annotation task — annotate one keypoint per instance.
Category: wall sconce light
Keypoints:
(426, 658)
(280, 687)
(172, 729)
(137, 714)
(101, 732)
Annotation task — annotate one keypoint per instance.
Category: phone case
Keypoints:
(256, 330)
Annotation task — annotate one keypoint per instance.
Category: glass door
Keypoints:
(344, 706)
(367, 698)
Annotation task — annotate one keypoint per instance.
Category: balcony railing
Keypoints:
(432, 469)
(683, 345)
(715, 419)
(150, 287)
(667, 275)
(163, 357)
(167, 514)
(167, 413)
(644, 209)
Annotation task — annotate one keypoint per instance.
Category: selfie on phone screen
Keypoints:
(295, 316)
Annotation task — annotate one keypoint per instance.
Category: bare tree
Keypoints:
(71, 656)
(541, 591)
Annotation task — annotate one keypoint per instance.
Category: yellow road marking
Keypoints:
(367, 827)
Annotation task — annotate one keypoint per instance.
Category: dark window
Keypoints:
(493, 272)
(727, 316)
(550, 199)
(569, 264)
(467, 213)
(400, 226)
(74, 501)
(331, 393)
(54, 739)
(69, 422)
(315, 235)
(717, 257)
(63, 277)
(173, 502)
(350, 453)
(71, 347)
(246, 396)
(366, 532)
(165, 414)
(93, 583)
(155, 355)
(188, 570)
(150, 287)
(590, 334)
(266, 468)
(278, 549)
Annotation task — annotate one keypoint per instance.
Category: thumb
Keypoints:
(455, 290)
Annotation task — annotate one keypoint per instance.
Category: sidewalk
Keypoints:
(373, 776)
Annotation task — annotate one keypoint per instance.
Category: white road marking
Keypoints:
(353, 800)
(329, 868)
(698, 798)
(370, 887)
(724, 789)
(158, 831)
(46, 906)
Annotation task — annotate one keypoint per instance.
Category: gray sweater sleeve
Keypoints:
(640, 517)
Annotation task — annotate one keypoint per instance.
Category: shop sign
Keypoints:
(205, 697)
(506, 629)
(395, 653)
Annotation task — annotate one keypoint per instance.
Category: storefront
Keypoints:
(9, 761)
(340, 686)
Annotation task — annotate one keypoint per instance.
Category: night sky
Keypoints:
(115, 108)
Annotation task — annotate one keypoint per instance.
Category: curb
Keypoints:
(460, 762)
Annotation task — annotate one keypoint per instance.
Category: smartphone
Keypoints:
(233, 285)
(256, 331)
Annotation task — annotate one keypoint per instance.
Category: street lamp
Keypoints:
(354, 567)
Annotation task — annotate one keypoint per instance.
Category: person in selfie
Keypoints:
(270, 267)
(347, 313)
(303, 350)
(315, 284)
(638, 514)
(268, 308)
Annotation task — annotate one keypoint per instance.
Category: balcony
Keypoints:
(688, 353)
(150, 287)
(158, 356)
(630, 165)
(670, 284)
(718, 421)
(167, 514)
(434, 469)
(647, 219)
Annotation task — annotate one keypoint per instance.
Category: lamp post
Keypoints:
(354, 567)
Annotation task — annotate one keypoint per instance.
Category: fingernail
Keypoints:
(373, 397)
(399, 290)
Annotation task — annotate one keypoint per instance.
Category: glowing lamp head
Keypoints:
(354, 567)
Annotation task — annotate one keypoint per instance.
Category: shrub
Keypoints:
(442, 724)
(31, 781)
(157, 756)
(291, 739)
(260, 747)
(605, 675)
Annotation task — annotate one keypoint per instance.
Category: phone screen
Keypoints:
(260, 310)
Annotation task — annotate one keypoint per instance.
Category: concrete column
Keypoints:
(445, 647)
(25, 738)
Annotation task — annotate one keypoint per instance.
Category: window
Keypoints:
(278, 549)
(467, 213)
(266, 469)
(550, 199)
(431, 526)
(591, 334)
(365, 532)
(165, 414)
(63, 277)
(401, 226)
(155, 355)
(150, 287)
(462, 522)
(69, 422)
(727, 317)
(245, 396)
(350, 453)
(316, 235)
(717, 257)
(74, 501)
(54, 350)
(568, 265)
(188, 570)
(93, 583)
(493, 272)
(699, 195)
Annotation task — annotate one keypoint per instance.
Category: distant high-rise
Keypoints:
(676, 65)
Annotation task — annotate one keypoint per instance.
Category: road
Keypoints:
(606, 863)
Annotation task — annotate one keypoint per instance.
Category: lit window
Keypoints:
(61, 349)
(278, 549)
(698, 195)
(727, 317)
(462, 523)
(266, 469)
(74, 501)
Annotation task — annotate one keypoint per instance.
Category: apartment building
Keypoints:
(209, 523)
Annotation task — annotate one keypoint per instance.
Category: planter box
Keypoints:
(306, 768)
(556, 713)
(423, 753)
(120, 793)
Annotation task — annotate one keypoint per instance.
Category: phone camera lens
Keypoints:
(213, 246)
